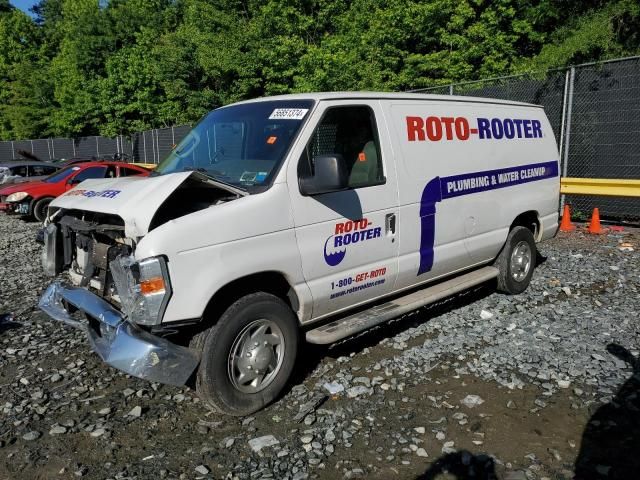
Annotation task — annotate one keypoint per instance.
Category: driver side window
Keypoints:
(91, 172)
(350, 132)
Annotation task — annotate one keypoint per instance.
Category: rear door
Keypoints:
(348, 239)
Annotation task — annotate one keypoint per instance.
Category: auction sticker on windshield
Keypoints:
(288, 114)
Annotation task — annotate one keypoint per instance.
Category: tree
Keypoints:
(612, 30)
(24, 104)
(119, 66)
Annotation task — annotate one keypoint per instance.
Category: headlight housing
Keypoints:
(51, 257)
(16, 197)
(143, 287)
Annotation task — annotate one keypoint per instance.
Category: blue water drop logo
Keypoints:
(333, 258)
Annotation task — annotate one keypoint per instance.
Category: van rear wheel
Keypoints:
(516, 261)
(248, 356)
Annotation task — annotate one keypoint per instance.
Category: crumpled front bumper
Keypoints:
(118, 342)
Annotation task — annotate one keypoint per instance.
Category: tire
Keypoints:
(220, 382)
(40, 208)
(516, 261)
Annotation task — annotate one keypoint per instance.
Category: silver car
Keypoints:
(19, 171)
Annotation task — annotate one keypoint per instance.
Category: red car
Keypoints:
(32, 198)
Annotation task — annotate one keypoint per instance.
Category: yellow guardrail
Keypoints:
(608, 187)
(148, 166)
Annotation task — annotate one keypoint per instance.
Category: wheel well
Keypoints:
(528, 220)
(34, 201)
(270, 282)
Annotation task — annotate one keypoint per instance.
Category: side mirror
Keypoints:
(330, 176)
(74, 181)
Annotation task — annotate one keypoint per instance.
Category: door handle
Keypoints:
(390, 223)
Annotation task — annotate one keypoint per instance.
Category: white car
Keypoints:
(300, 217)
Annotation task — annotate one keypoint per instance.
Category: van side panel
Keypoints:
(213, 247)
(466, 171)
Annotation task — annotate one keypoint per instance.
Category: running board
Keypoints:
(361, 321)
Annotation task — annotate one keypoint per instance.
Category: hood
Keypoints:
(134, 199)
(23, 187)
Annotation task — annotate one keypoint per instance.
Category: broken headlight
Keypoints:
(51, 258)
(143, 287)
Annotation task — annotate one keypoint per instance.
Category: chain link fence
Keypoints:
(594, 110)
(150, 146)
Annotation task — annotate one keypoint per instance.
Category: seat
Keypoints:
(365, 169)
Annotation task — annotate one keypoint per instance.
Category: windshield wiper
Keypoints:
(206, 173)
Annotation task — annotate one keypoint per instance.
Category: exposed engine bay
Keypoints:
(196, 193)
(84, 243)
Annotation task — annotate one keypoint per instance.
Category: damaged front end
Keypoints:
(92, 239)
(119, 296)
(120, 343)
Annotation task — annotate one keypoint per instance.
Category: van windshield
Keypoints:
(242, 145)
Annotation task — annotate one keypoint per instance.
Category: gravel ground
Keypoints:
(536, 386)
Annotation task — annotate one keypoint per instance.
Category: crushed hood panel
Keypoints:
(134, 199)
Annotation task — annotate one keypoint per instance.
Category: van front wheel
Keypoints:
(248, 356)
(516, 261)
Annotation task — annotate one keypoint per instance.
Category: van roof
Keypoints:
(389, 96)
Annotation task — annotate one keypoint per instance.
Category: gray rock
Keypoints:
(354, 473)
(257, 444)
(448, 447)
(202, 469)
(135, 412)
(248, 421)
(32, 435)
(333, 388)
(357, 391)
(363, 380)
(57, 430)
(471, 401)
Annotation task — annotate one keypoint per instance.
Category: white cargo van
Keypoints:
(311, 216)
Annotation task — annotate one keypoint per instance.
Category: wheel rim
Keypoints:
(256, 356)
(41, 211)
(520, 261)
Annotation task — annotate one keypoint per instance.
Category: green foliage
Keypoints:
(119, 66)
(608, 32)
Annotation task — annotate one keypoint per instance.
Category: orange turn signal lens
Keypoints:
(152, 285)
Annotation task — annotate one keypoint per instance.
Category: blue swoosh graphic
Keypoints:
(439, 189)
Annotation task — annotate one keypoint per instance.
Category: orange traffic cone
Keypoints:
(594, 226)
(566, 225)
